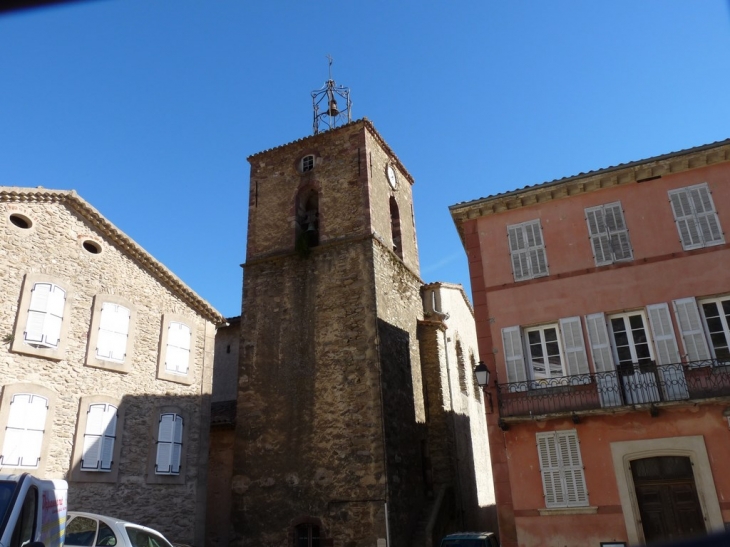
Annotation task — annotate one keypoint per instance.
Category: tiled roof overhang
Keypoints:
(128, 246)
(625, 173)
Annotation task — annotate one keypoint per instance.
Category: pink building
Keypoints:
(603, 313)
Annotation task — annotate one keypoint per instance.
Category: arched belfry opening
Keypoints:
(395, 228)
(307, 222)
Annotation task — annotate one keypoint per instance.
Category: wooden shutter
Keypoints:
(661, 328)
(600, 240)
(518, 250)
(606, 380)
(690, 326)
(99, 437)
(538, 259)
(552, 484)
(113, 332)
(45, 315)
(685, 219)
(707, 221)
(177, 356)
(618, 233)
(24, 432)
(576, 493)
(169, 444)
(574, 346)
(514, 359)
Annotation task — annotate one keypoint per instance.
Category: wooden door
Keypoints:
(667, 498)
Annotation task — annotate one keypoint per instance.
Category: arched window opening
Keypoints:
(306, 535)
(475, 385)
(395, 228)
(307, 227)
(461, 364)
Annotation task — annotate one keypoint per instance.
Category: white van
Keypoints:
(32, 511)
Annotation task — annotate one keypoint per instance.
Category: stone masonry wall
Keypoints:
(53, 246)
(225, 371)
(309, 434)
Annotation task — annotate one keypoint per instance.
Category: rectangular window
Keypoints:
(608, 233)
(544, 353)
(24, 431)
(169, 444)
(527, 250)
(695, 216)
(716, 313)
(99, 437)
(45, 316)
(113, 332)
(178, 348)
(563, 479)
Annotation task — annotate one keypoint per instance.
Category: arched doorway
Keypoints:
(666, 494)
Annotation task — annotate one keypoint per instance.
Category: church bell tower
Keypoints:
(330, 400)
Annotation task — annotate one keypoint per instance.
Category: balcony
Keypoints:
(629, 385)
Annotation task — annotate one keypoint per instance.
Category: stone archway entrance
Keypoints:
(667, 497)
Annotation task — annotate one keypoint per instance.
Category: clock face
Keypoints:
(392, 178)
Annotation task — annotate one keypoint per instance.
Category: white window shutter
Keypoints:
(177, 356)
(574, 346)
(709, 224)
(24, 431)
(45, 315)
(99, 437)
(552, 482)
(619, 234)
(690, 326)
(608, 389)
(177, 446)
(113, 332)
(661, 328)
(169, 444)
(513, 355)
(600, 240)
(685, 219)
(576, 493)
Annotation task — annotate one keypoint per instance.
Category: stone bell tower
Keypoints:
(330, 404)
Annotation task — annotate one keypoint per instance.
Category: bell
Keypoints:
(311, 228)
(333, 108)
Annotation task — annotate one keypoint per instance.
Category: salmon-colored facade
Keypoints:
(603, 312)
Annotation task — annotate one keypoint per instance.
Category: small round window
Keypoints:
(92, 246)
(21, 221)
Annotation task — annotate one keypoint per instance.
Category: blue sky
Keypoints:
(149, 109)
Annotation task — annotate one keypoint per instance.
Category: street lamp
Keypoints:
(482, 374)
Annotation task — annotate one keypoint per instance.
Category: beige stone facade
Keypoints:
(54, 240)
(332, 422)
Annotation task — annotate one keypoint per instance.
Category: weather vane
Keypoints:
(327, 114)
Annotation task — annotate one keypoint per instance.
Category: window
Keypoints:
(169, 445)
(307, 223)
(145, 538)
(695, 216)
(101, 426)
(561, 467)
(24, 431)
(41, 328)
(716, 313)
(461, 366)
(306, 163)
(111, 333)
(608, 233)
(97, 444)
(82, 531)
(553, 351)
(630, 339)
(177, 349)
(395, 228)
(306, 535)
(690, 325)
(528, 250)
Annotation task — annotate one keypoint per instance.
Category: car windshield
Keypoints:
(6, 494)
(464, 543)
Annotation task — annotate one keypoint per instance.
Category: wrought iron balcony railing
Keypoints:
(629, 385)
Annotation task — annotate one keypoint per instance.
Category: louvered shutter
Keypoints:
(517, 247)
(576, 493)
(608, 390)
(24, 432)
(661, 328)
(690, 326)
(45, 315)
(113, 332)
(177, 356)
(574, 346)
(99, 437)
(600, 241)
(684, 217)
(169, 444)
(538, 259)
(704, 208)
(552, 482)
(619, 234)
(513, 355)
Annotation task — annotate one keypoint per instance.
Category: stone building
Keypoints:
(105, 367)
(603, 311)
(348, 430)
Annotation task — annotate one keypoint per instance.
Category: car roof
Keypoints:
(114, 520)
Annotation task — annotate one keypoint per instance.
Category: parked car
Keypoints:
(91, 530)
(470, 539)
